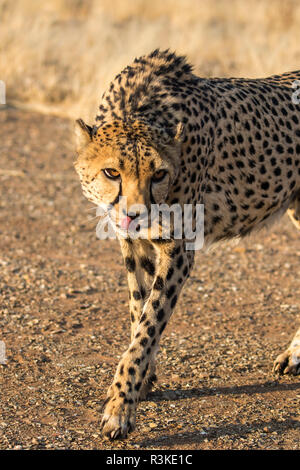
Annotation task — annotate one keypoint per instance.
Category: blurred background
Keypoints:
(58, 56)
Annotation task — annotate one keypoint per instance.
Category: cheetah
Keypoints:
(165, 135)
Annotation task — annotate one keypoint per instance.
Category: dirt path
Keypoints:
(64, 320)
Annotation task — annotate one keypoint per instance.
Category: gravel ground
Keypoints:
(65, 324)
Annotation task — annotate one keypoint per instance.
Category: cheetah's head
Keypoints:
(129, 163)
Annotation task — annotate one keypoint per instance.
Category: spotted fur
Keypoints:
(231, 144)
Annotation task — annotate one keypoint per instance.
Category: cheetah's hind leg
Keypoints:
(289, 361)
(294, 212)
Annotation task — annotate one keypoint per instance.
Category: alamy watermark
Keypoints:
(2, 92)
(296, 94)
(2, 353)
(162, 221)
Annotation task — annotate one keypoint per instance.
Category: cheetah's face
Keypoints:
(125, 169)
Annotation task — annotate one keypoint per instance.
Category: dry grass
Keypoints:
(60, 55)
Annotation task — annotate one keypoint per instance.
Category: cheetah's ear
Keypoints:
(180, 132)
(171, 137)
(83, 134)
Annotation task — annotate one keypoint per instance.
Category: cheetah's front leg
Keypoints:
(123, 395)
(139, 257)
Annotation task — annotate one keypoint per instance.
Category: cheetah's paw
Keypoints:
(118, 419)
(288, 362)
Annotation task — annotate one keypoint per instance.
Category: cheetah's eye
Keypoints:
(159, 176)
(111, 173)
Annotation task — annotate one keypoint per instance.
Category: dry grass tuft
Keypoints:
(59, 55)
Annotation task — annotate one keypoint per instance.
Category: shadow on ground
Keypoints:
(179, 394)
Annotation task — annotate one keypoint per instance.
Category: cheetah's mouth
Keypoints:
(130, 227)
(143, 226)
